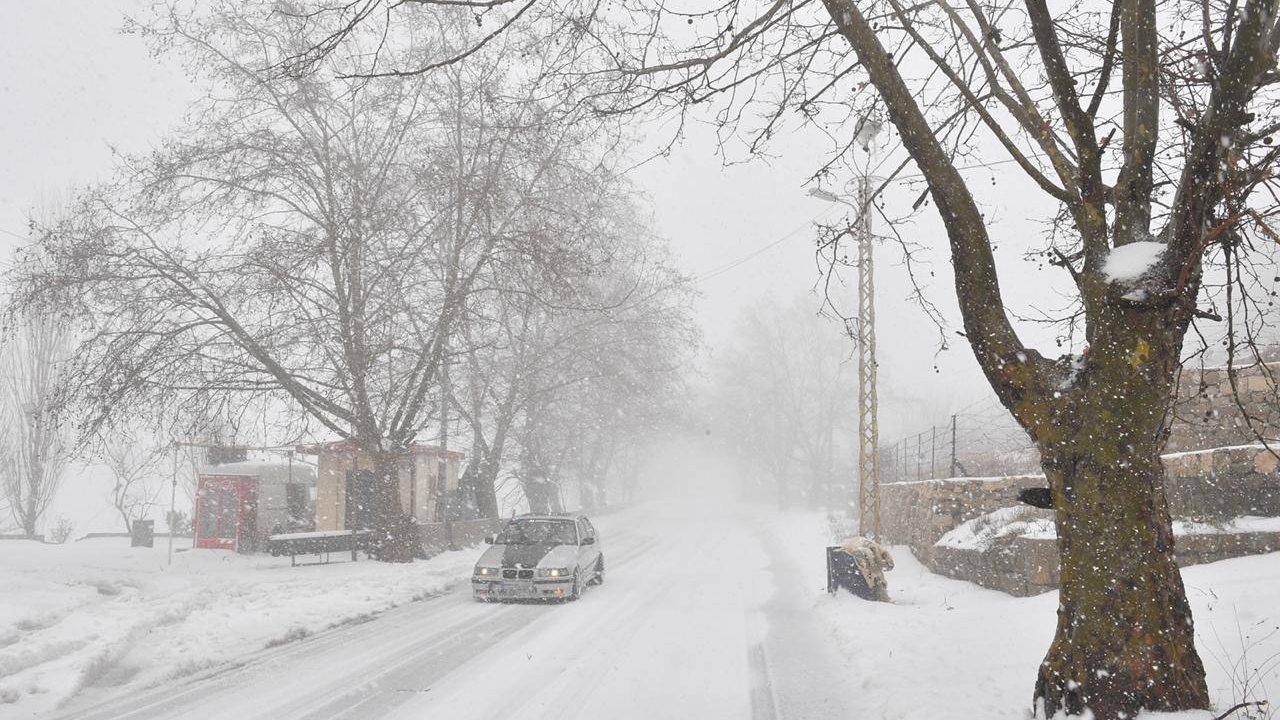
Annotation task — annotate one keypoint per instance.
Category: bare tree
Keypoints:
(34, 443)
(782, 398)
(137, 472)
(569, 374)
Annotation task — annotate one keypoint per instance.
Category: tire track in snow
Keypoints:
(665, 642)
(365, 656)
(357, 648)
(402, 681)
(797, 665)
(764, 706)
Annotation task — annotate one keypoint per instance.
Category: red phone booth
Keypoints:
(226, 512)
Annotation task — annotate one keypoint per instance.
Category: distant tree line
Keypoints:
(784, 404)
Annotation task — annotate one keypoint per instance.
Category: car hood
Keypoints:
(529, 556)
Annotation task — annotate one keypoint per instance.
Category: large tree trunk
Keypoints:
(395, 534)
(29, 517)
(486, 493)
(487, 475)
(479, 480)
(1125, 638)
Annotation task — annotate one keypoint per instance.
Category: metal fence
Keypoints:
(981, 440)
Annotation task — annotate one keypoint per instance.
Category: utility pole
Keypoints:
(865, 335)
(868, 410)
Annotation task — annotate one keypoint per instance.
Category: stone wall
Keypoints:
(1217, 470)
(1025, 566)
(1017, 565)
(1208, 485)
(1206, 413)
(1203, 485)
(1223, 483)
(917, 513)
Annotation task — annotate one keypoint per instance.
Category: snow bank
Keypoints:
(1246, 524)
(97, 613)
(981, 532)
(972, 479)
(1208, 451)
(1131, 262)
(949, 650)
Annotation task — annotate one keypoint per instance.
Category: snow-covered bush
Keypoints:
(61, 530)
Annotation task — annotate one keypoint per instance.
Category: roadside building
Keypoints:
(345, 484)
(238, 504)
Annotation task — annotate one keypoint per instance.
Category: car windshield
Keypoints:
(538, 532)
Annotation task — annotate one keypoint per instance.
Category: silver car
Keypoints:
(540, 557)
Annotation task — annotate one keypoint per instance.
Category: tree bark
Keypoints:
(486, 495)
(395, 537)
(1125, 637)
(479, 479)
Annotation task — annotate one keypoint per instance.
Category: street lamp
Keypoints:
(816, 192)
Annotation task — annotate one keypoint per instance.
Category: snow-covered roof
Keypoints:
(269, 470)
(349, 447)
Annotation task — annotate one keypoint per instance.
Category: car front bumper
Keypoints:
(486, 588)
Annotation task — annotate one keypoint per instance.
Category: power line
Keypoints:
(976, 166)
(732, 264)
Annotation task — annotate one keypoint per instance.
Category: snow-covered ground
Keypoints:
(96, 616)
(707, 612)
(950, 649)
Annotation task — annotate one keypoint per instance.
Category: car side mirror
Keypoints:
(588, 541)
(488, 539)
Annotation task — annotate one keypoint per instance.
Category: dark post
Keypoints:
(933, 452)
(920, 456)
(953, 446)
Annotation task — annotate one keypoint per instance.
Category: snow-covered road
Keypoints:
(700, 617)
(708, 612)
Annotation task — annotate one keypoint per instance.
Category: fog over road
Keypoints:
(700, 617)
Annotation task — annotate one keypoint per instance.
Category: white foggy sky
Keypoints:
(72, 87)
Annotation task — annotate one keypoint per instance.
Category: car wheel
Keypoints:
(599, 576)
(577, 586)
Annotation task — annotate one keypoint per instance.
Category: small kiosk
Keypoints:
(345, 488)
(239, 504)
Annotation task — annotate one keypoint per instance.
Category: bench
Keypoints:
(323, 542)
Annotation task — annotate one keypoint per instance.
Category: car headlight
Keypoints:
(553, 572)
(486, 570)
